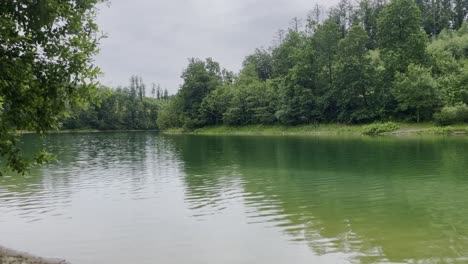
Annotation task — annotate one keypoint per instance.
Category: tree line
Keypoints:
(123, 108)
(378, 60)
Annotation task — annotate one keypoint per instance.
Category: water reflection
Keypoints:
(378, 200)
(348, 200)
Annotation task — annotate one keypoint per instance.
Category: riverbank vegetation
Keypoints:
(378, 61)
(123, 108)
(388, 128)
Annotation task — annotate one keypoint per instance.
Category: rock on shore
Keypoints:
(8, 256)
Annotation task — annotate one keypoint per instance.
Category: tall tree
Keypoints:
(400, 36)
(153, 90)
(314, 18)
(200, 78)
(367, 14)
(325, 43)
(460, 13)
(354, 91)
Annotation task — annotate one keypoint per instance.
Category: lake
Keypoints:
(142, 197)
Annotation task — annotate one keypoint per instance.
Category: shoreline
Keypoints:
(9, 256)
(71, 131)
(401, 129)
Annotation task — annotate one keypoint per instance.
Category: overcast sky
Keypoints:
(154, 38)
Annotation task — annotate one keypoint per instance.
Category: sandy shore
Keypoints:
(8, 256)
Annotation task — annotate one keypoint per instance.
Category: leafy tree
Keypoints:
(354, 85)
(367, 15)
(215, 105)
(200, 78)
(325, 47)
(262, 61)
(286, 55)
(436, 15)
(400, 36)
(153, 90)
(325, 44)
(170, 114)
(46, 55)
(417, 92)
(459, 13)
(297, 105)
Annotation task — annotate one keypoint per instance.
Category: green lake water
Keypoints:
(142, 197)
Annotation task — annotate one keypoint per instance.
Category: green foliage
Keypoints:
(400, 36)
(354, 89)
(417, 92)
(379, 128)
(200, 78)
(361, 64)
(449, 130)
(119, 109)
(287, 53)
(215, 105)
(450, 115)
(170, 114)
(325, 44)
(250, 104)
(262, 63)
(46, 67)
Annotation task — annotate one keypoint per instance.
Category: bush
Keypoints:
(379, 128)
(450, 115)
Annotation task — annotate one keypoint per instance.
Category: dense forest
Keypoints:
(401, 60)
(123, 108)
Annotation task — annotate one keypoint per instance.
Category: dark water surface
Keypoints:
(148, 198)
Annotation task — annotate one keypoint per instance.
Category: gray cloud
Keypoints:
(154, 39)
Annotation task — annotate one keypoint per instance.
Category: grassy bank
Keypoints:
(329, 129)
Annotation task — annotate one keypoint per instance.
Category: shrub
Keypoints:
(450, 115)
(379, 128)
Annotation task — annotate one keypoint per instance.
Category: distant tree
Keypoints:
(200, 78)
(133, 87)
(314, 18)
(295, 24)
(343, 14)
(153, 90)
(116, 110)
(141, 88)
(459, 13)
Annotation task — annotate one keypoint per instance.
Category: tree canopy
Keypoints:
(372, 61)
(46, 68)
